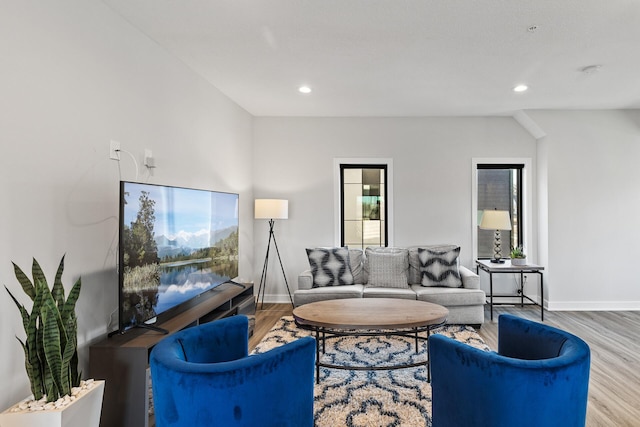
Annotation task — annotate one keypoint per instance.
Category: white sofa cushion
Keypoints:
(449, 297)
(380, 292)
(305, 296)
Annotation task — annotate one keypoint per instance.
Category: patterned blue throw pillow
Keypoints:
(440, 267)
(330, 266)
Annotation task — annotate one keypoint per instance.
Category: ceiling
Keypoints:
(398, 58)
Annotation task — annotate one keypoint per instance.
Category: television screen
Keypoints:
(175, 244)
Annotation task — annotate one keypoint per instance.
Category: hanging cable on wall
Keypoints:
(135, 162)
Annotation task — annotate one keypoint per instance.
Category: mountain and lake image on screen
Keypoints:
(175, 244)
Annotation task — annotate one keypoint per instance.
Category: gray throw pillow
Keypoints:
(387, 267)
(440, 267)
(330, 266)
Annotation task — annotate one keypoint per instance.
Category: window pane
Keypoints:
(352, 176)
(353, 234)
(382, 200)
(352, 207)
(371, 233)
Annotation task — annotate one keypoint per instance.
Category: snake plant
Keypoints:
(50, 348)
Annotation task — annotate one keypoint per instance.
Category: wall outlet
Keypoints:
(114, 146)
(149, 161)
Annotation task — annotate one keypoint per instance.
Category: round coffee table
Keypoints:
(369, 316)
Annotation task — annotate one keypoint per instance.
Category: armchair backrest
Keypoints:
(211, 342)
(522, 339)
(538, 377)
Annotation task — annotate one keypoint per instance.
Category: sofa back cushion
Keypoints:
(387, 267)
(356, 260)
(330, 266)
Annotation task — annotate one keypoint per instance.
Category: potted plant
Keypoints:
(518, 257)
(51, 357)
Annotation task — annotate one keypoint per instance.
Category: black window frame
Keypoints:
(519, 167)
(382, 166)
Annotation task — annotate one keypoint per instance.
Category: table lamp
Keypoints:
(496, 220)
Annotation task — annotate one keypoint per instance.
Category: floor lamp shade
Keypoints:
(271, 209)
(496, 220)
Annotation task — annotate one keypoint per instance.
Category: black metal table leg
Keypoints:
(491, 294)
(521, 289)
(541, 298)
(428, 363)
(318, 355)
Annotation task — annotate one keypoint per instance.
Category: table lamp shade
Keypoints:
(495, 220)
(271, 209)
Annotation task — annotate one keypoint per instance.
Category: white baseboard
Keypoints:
(275, 299)
(593, 306)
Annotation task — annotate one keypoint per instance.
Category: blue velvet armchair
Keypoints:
(539, 377)
(202, 376)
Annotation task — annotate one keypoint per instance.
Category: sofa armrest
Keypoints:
(470, 280)
(305, 280)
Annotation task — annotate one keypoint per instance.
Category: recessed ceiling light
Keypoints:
(304, 89)
(520, 88)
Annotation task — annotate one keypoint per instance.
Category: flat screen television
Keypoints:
(175, 245)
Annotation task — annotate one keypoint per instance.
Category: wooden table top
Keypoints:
(370, 313)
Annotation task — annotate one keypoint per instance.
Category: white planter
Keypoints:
(518, 261)
(82, 412)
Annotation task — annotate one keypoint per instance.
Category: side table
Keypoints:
(492, 268)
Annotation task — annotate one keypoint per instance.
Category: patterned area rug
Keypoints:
(399, 398)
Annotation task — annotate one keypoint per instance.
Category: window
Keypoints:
(363, 205)
(500, 186)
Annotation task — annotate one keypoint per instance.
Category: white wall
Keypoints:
(432, 163)
(74, 75)
(593, 198)
(585, 174)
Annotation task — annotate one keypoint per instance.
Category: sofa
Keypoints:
(429, 273)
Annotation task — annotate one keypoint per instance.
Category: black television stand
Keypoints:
(123, 359)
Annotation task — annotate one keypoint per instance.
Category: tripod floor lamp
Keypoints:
(271, 209)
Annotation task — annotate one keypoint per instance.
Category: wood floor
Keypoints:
(614, 338)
